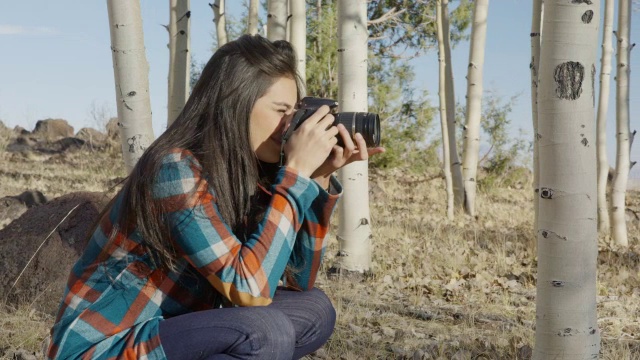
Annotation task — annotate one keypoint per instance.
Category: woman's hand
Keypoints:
(311, 143)
(341, 156)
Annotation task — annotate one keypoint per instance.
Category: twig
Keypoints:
(387, 16)
(39, 247)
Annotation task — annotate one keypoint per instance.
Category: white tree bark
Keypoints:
(252, 26)
(566, 321)
(536, 30)
(354, 231)
(443, 111)
(603, 106)
(623, 134)
(474, 103)
(220, 19)
(456, 169)
(299, 35)
(131, 75)
(277, 20)
(179, 57)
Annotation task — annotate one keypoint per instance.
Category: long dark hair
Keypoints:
(214, 126)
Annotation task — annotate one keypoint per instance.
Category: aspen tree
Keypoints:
(299, 34)
(566, 321)
(179, 57)
(220, 19)
(623, 134)
(456, 171)
(277, 20)
(443, 111)
(252, 26)
(601, 123)
(354, 230)
(536, 24)
(474, 103)
(131, 75)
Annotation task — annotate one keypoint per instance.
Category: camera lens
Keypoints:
(367, 124)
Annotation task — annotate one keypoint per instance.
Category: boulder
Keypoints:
(92, 137)
(113, 131)
(44, 278)
(20, 130)
(50, 130)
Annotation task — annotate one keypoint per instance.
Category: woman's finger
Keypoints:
(362, 147)
(349, 146)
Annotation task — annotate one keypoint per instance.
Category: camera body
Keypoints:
(367, 124)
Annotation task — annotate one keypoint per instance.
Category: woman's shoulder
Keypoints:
(180, 172)
(180, 155)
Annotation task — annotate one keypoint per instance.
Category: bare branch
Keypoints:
(393, 13)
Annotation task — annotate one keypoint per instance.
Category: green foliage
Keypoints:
(504, 163)
(406, 116)
(322, 52)
(415, 28)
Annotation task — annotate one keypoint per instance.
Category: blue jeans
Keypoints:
(293, 325)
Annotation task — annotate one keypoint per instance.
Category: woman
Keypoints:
(211, 250)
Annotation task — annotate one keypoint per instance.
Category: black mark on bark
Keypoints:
(131, 93)
(588, 2)
(134, 142)
(587, 16)
(569, 77)
(585, 142)
(557, 283)
(546, 193)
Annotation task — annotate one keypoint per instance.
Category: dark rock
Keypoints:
(44, 278)
(52, 129)
(32, 198)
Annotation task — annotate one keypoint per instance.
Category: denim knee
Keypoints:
(275, 334)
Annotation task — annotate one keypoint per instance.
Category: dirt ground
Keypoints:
(439, 289)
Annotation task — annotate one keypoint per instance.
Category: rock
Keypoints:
(44, 278)
(50, 130)
(32, 198)
(20, 130)
(92, 137)
(10, 209)
(113, 131)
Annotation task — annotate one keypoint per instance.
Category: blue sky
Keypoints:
(56, 61)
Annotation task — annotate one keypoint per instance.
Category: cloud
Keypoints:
(27, 30)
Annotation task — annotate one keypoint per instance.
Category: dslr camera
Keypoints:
(367, 124)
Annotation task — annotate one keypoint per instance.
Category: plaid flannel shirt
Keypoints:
(115, 299)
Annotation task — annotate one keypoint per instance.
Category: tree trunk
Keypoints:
(474, 103)
(443, 111)
(566, 325)
(131, 74)
(456, 171)
(220, 18)
(623, 135)
(536, 29)
(252, 26)
(179, 57)
(603, 106)
(277, 20)
(354, 231)
(299, 35)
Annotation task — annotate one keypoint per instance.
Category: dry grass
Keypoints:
(439, 289)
